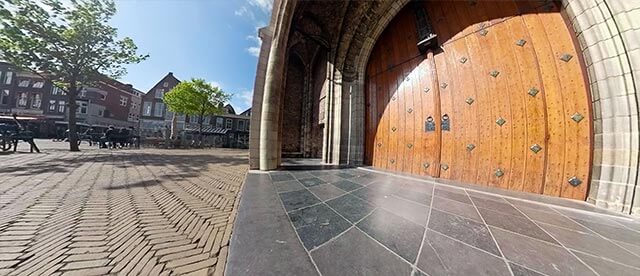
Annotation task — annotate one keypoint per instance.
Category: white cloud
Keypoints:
(216, 84)
(264, 5)
(243, 100)
(254, 51)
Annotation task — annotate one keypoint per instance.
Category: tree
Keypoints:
(196, 98)
(71, 45)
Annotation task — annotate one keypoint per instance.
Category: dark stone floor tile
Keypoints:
(531, 205)
(605, 267)
(301, 174)
(612, 231)
(370, 195)
(347, 185)
(319, 172)
(462, 229)
(520, 225)
(400, 235)
(540, 256)
(635, 249)
(346, 175)
(460, 197)
(353, 253)
(519, 270)
(318, 224)
(486, 196)
(330, 178)
(310, 182)
(383, 187)
(326, 191)
(442, 255)
(351, 207)
(502, 207)
(298, 199)
(456, 208)
(418, 197)
(281, 177)
(552, 218)
(263, 239)
(288, 186)
(410, 210)
(592, 244)
(363, 180)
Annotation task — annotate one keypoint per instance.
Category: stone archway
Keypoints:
(606, 41)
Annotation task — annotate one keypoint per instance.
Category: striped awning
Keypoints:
(208, 130)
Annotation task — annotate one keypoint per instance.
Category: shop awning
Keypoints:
(208, 130)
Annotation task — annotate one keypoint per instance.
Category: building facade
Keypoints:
(155, 117)
(28, 95)
(530, 96)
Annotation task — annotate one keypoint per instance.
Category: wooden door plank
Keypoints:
(555, 148)
(574, 97)
(534, 107)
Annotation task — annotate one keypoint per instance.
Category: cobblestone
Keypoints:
(136, 212)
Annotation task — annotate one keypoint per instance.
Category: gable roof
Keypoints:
(168, 76)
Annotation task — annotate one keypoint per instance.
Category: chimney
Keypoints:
(170, 73)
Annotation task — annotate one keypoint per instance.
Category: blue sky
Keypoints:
(211, 39)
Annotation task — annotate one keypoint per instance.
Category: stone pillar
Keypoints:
(270, 113)
(266, 35)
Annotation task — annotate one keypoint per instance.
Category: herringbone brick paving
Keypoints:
(125, 212)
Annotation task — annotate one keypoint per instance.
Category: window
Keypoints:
(205, 120)
(146, 109)
(83, 93)
(100, 113)
(159, 93)
(134, 105)
(38, 84)
(4, 97)
(36, 101)
(165, 84)
(123, 101)
(82, 107)
(103, 97)
(56, 90)
(22, 99)
(229, 124)
(248, 122)
(157, 112)
(219, 122)
(52, 105)
(8, 77)
(24, 83)
(241, 125)
(61, 106)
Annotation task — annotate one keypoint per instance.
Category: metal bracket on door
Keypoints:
(429, 125)
(445, 126)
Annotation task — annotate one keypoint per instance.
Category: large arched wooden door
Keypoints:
(502, 102)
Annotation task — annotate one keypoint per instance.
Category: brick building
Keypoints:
(44, 105)
(409, 86)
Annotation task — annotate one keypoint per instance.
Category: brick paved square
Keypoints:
(145, 211)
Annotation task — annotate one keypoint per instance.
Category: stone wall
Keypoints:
(609, 35)
(292, 119)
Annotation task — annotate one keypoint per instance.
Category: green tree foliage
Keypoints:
(196, 98)
(67, 42)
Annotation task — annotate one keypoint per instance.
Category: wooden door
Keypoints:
(508, 82)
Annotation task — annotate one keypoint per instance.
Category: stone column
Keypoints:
(270, 113)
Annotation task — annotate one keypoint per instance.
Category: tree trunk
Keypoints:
(174, 126)
(73, 131)
(200, 130)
